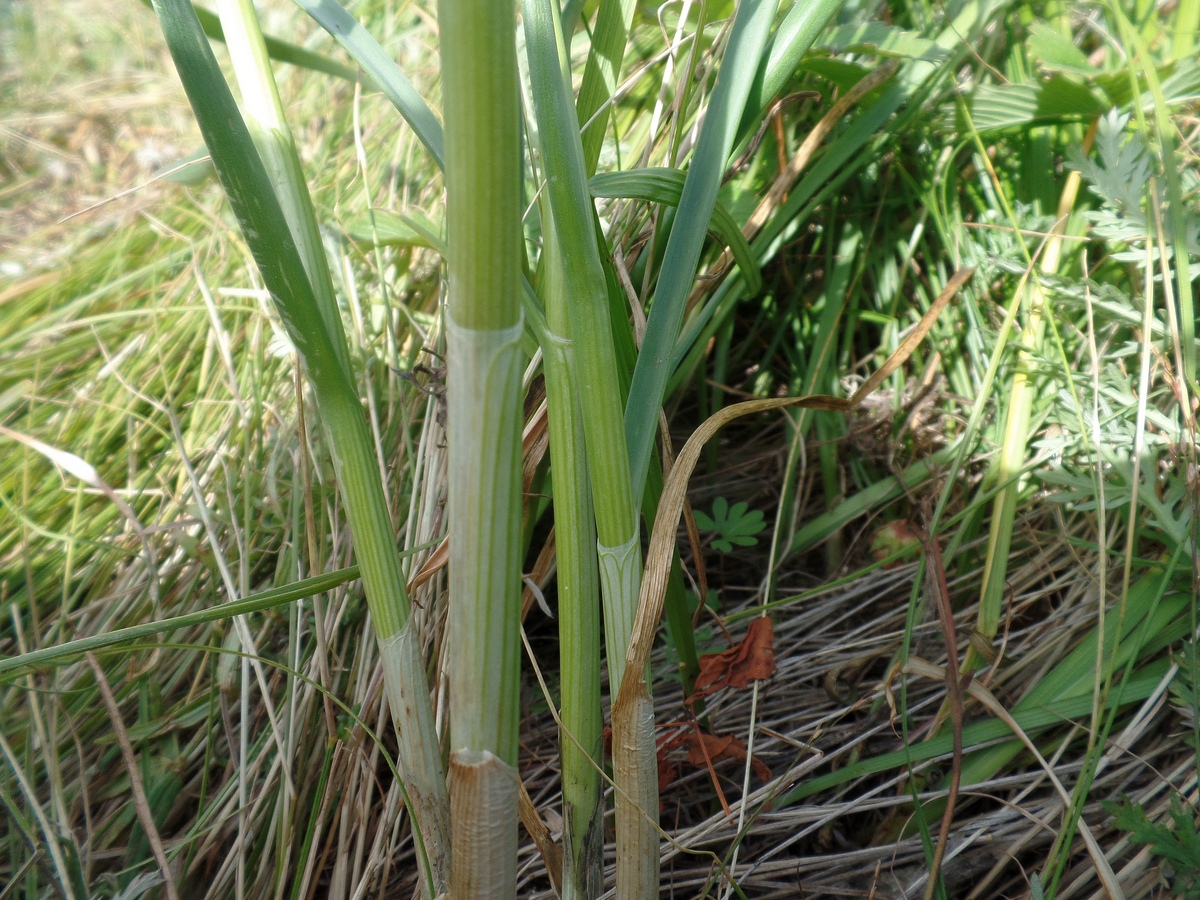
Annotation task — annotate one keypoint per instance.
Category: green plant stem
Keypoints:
(1016, 432)
(252, 186)
(578, 594)
(484, 329)
(612, 495)
(616, 517)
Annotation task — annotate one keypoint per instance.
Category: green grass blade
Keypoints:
(300, 590)
(1176, 210)
(665, 186)
(382, 70)
(1185, 29)
(281, 50)
(1033, 720)
(600, 74)
(792, 39)
(749, 34)
(265, 120)
(250, 191)
(616, 518)
(1064, 694)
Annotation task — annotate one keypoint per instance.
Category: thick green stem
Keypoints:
(578, 597)
(618, 541)
(484, 235)
(484, 434)
(595, 356)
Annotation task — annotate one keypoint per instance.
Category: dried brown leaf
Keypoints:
(751, 659)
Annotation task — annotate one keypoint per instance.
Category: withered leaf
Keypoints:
(720, 748)
(753, 657)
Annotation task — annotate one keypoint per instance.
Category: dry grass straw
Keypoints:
(84, 353)
(829, 702)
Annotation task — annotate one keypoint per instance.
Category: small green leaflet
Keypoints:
(1172, 838)
(737, 524)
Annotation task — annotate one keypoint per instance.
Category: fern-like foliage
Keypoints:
(1120, 176)
(1185, 689)
(1176, 844)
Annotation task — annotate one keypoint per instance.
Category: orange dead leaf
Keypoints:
(703, 748)
(753, 657)
(667, 772)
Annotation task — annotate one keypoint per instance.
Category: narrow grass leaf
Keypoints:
(382, 71)
(300, 590)
(801, 26)
(249, 189)
(665, 186)
(578, 578)
(600, 73)
(751, 27)
(390, 229)
(1065, 694)
(281, 50)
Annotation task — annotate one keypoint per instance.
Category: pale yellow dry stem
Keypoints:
(551, 850)
(635, 773)
(141, 803)
(417, 756)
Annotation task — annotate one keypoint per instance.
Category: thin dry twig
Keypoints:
(939, 592)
